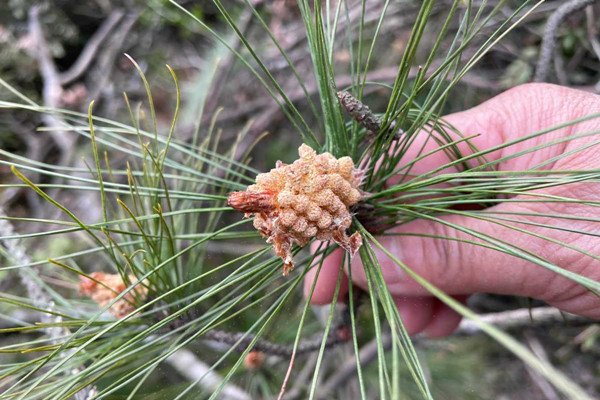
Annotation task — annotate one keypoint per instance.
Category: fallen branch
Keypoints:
(387, 75)
(188, 365)
(542, 383)
(550, 37)
(52, 88)
(100, 76)
(592, 32)
(518, 318)
(347, 370)
(270, 114)
(227, 63)
(504, 320)
(90, 49)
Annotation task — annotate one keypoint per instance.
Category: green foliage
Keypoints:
(166, 206)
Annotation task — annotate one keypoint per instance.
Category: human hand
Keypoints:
(461, 269)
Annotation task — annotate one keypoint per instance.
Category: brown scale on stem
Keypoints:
(363, 115)
(310, 198)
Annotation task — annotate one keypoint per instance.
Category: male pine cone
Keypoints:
(113, 285)
(310, 198)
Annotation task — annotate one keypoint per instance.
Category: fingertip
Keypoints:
(444, 321)
(415, 312)
(326, 280)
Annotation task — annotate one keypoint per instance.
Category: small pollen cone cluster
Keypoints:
(254, 360)
(102, 295)
(310, 198)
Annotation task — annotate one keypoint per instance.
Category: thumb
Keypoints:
(462, 260)
(458, 262)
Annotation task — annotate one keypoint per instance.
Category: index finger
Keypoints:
(326, 280)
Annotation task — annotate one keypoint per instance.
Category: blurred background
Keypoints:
(63, 54)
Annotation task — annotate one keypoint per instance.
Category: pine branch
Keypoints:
(339, 335)
(363, 115)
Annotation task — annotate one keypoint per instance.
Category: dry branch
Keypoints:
(543, 384)
(548, 46)
(52, 88)
(504, 320)
(520, 317)
(387, 75)
(188, 365)
(91, 48)
(106, 59)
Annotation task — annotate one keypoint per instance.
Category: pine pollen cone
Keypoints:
(254, 360)
(310, 198)
(104, 295)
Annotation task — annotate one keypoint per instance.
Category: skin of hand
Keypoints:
(461, 269)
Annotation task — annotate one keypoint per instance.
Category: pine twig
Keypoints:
(364, 116)
(550, 38)
(302, 378)
(280, 350)
(339, 334)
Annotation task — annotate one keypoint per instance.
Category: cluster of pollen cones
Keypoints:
(310, 198)
(112, 285)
